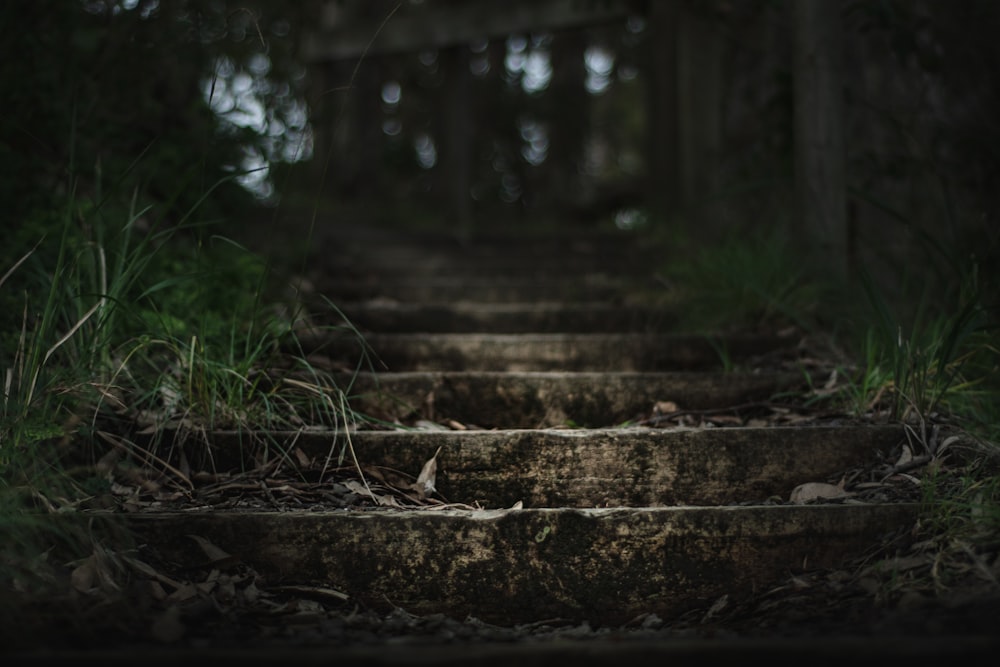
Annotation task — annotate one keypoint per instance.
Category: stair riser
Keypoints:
(603, 566)
(478, 289)
(536, 352)
(546, 400)
(465, 316)
(604, 468)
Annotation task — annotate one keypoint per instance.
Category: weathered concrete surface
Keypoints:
(464, 316)
(517, 566)
(543, 352)
(596, 287)
(380, 247)
(552, 399)
(600, 468)
(523, 262)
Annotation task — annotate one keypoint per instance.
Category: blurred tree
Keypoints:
(820, 156)
(161, 100)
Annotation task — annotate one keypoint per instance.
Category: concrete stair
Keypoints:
(530, 370)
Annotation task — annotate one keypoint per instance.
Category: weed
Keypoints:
(943, 363)
(753, 283)
(144, 329)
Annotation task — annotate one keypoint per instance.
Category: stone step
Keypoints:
(462, 316)
(628, 467)
(513, 566)
(370, 242)
(542, 351)
(394, 264)
(550, 399)
(509, 289)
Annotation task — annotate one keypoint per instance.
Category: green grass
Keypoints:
(119, 337)
(946, 360)
(122, 342)
(927, 358)
(748, 281)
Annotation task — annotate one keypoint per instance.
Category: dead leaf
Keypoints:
(216, 556)
(426, 480)
(832, 381)
(251, 593)
(148, 570)
(167, 627)
(83, 576)
(185, 592)
(905, 456)
(724, 420)
(716, 607)
(665, 408)
(157, 591)
(813, 490)
(319, 593)
(96, 572)
(303, 459)
(428, 425)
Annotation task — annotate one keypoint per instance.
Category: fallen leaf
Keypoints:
(302, 458)
(185, 592)
(83, 576)
(148, 570)
(905, 456)
(813, 490)
(319, 593)
(167, 627)
(665, 408)
(215, 555)
(716, 607)
(428, 425)
(427, 478)
(157, 591)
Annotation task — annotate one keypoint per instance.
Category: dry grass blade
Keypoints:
(343, 410)
(18, 263)
(130, 447)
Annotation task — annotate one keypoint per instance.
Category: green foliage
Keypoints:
(752, 281)
(98, 87)
(944, 358)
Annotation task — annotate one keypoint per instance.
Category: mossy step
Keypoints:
(417, 263)
(542, 351)
(604, 565)
(370, 240)
(481, 288)
(394, 316)
(629, 467)
(551, 399)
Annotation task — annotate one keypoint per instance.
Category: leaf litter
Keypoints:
(226, 601)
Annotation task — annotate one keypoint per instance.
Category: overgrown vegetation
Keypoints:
(748, 281)
(925, 355)
(129, 314)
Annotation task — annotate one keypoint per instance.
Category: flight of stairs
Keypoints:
(530, 374)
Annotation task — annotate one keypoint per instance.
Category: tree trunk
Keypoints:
(455, 165)
(568, 119)
(700, 51)
(662, 158)
(820, 155)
